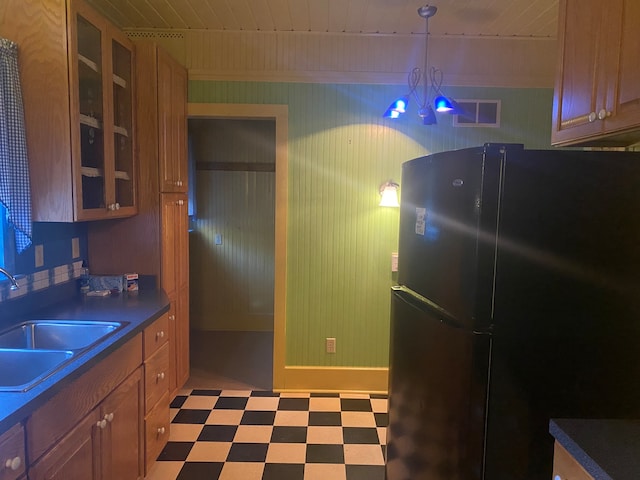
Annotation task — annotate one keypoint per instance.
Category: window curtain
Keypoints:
(15, 191)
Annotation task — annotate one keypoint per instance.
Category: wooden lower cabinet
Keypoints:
(156, 380)
(156, 430)
(12, 454)
(110, 423)
(76, 456)
(175, 281)
(182, 336)
(121, 447)
(105, 444)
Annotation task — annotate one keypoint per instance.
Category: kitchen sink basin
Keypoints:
(34, 349)
(22, 369)
(56, 334)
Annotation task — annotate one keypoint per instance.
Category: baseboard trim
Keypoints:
(334, 379)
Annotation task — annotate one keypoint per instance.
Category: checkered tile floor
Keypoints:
(257, 435)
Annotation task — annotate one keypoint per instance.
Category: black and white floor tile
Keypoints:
(258, 435)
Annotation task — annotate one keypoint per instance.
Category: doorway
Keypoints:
(237, 275)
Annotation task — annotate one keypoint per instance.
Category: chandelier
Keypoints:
(431, 79)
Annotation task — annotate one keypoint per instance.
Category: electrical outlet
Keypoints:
(330, 344)
(39, 254)
(75, 247)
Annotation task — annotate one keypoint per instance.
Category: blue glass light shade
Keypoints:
(397, 107)
(444, 104)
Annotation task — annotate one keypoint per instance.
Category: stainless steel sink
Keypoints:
(33, 350)
(22, 369)
(56, 334)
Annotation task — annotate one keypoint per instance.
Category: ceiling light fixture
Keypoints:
(431, 82)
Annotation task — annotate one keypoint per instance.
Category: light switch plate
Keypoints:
(75, 247)
(394, 262)
(39, 254)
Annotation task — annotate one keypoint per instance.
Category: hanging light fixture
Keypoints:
(431, 81)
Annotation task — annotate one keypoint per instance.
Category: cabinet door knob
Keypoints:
(117, 206)
(172, 317)
(602, 114)
(178, 183)
(161, 431)
(101, 423)
(160, 376)
(108, 417)
(592, 117)
(13, 463)
(160, 334)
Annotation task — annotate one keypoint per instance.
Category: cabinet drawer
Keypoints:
(156, 335)
(156, 427)
(565, 467)
(12, 453)
(156, 377)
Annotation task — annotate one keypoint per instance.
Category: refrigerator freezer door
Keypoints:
(437, 396)
(447, 231)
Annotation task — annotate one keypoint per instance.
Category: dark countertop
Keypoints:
(606, 449)
(138, 309)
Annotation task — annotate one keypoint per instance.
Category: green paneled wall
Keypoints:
(339, 242)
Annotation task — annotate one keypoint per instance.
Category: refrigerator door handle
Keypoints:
(425, 305)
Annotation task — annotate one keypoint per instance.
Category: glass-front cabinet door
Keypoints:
(103, 150)
(123, 152)
(91, 119)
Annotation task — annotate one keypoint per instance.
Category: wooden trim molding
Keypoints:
(280, 113)
(335, 379)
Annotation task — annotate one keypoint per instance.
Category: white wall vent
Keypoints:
(478, 113)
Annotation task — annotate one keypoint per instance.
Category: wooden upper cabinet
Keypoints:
(172, 123)
(597, 91)
(626, 104)
(78, 89)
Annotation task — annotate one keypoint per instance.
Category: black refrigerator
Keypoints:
(518, 301)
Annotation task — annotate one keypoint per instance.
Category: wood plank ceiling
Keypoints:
(485, 18)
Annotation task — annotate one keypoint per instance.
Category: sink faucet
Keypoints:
(12, 279)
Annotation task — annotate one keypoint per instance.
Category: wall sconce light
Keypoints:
(389, 194)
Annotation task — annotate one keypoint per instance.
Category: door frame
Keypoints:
(279, 113)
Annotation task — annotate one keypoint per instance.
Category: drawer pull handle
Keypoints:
(161, 431)
(13, 463)
(160, 376)
(160, 334)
